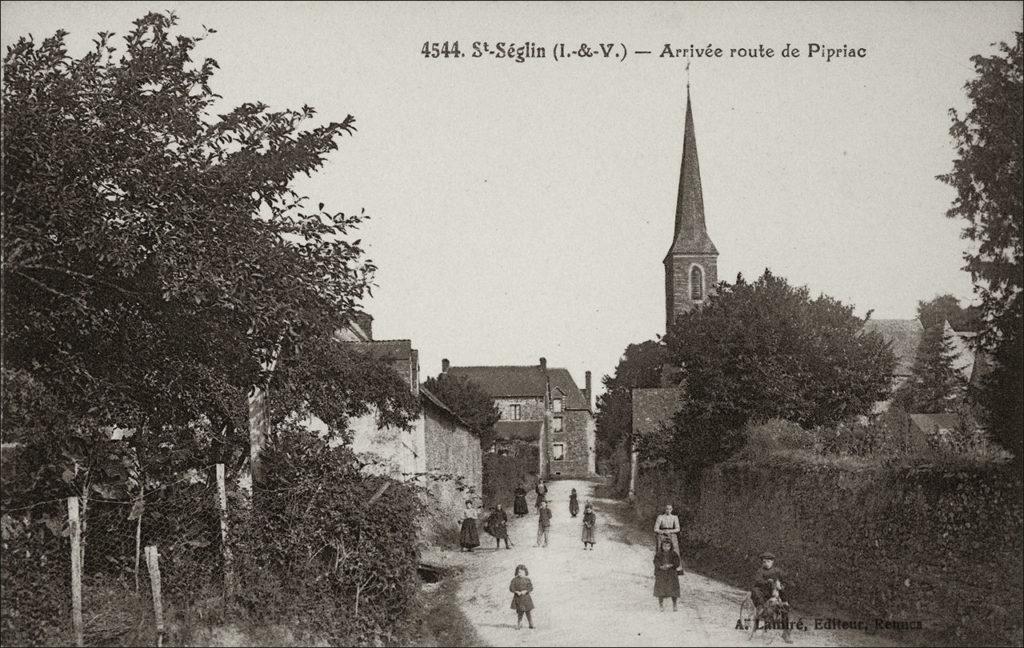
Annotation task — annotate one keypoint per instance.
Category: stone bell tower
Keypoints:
(691, 265)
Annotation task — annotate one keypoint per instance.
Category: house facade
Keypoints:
(543, 407)
(438, 450)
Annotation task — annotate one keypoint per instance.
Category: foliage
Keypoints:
(469, 402)
(318, 552)
(502, 473)
(934, 385)
(155, 256)
(766, 350)
(639, 367)
(988, 175)
(946, 308)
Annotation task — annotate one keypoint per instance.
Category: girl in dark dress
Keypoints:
(589, 522)
(666, 578)
(469, 537)
(521, 601)
(519, 502)
(497, 526)
(574, 504)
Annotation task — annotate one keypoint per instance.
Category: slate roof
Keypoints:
(518, 430)
(524, 382)
(928, 423)
(691, 235)
(903, 335)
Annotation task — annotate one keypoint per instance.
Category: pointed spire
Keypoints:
(691, 235)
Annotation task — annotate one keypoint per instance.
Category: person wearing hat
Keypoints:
(770, 581)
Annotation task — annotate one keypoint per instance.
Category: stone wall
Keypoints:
(576, 434)
(931, 545)
(454, 462)
(530, 409)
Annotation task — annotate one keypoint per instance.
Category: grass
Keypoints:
(438, 620)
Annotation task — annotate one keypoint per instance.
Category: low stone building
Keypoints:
(438, 450)
(545, 408)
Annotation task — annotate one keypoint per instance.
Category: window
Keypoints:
(556, 424)
(696, 283)
(556, 405)
(558, 451)
(514, 412)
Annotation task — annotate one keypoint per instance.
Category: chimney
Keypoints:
(543, 364)
(365, 322)
(586, 390)
(445, 365)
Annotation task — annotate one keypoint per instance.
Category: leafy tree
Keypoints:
(764, 350)
(947, 308)
(639, 367)
(469, 402)
(934, 386)
(988, 175)
(154, 254)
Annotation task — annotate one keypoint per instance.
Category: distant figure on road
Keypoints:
(666, 527)
(574, 503)
(543, 523)
(519, 501)
(497, 526)
(589, 522)
(522, 603)
(469, 537)
(666, 578)
(542, 491)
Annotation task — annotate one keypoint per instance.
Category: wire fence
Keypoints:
(97, 571)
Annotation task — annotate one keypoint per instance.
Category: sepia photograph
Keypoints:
(511, 323)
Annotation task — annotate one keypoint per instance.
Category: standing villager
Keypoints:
(519, 501)
(522, 602)
(574, 504)
(469, 537)
(589, 522)
(666, 527)
(543, 523)
(497, 526)
(542, 491)
(666, 578)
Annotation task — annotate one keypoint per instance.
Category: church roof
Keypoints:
(691, 236)
(903, 335)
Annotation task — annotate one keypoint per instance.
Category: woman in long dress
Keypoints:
(589, 522)
(519, 501)
(469, 537)
(666, 578)
(574, 504)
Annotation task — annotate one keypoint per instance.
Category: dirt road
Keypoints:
(604, 597)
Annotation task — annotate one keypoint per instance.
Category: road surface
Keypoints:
(603, 597)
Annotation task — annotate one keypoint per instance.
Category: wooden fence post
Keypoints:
(74, 525)
(153, 562)
(222, 507)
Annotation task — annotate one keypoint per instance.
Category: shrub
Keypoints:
(502, 473)
(326, 548)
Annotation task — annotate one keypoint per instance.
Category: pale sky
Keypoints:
(523, 209)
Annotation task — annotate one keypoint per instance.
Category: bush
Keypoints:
(326, 548)
(502, 473)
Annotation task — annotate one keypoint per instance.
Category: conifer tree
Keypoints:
(934, 386)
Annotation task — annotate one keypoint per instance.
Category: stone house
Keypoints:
(541, 406)
(439, 450)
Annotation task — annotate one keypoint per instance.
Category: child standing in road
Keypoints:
(522, 603)
(543, 524)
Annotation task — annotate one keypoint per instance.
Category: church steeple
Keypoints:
(691, 236)
(691, 265)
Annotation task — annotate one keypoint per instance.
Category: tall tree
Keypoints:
(988, 175)
(947, 308)
(640, 366)
(155, 254)
(934, 386)
(766, 350)
(469, 402)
